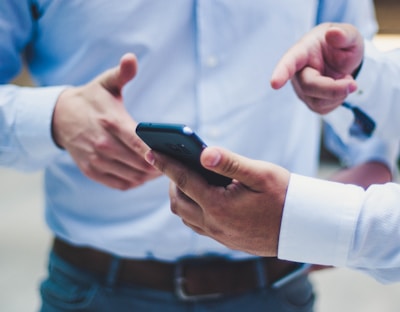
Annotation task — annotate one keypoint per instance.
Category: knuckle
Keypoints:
(160, 165)
(116, 183)
(231, 167)
(174, 209)
(317, 105)
(136, 143)
(314, 104)
(181, 180)
(138, 179)
(215, 231)
(87, 169)
(110, 124)
(323, 107)
(102, 144)
(94, 160)
(338, 94)
(306, 87)
(123, 186)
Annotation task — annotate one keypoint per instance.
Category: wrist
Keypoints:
(59, 116)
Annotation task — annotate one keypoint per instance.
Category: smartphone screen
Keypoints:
(180, 142)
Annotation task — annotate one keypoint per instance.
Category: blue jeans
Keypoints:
(70, 289)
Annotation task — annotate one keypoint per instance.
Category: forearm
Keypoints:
(364, 175)
(373, 161)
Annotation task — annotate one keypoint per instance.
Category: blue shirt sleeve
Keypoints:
(25, 113)
(26, 141)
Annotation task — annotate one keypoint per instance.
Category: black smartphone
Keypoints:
(180, 142)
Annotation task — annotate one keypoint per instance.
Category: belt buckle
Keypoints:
(179, 286)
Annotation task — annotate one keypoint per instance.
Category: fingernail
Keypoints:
(213, 158)
(149, 157)
(351, 88)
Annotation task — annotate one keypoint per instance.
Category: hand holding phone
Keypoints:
(181, 143)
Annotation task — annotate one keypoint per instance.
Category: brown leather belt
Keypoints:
(192, 278)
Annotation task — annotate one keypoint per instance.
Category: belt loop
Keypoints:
(262, 275)
(112, 273)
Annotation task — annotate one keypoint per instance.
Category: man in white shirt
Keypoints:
(269, 211)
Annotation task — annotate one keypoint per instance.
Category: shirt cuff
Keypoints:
(319, 221)
(34, 121)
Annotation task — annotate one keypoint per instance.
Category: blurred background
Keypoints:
(25, 240)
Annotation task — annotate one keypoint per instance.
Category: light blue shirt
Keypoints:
(205, 63)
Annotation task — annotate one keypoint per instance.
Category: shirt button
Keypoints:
(211, 61)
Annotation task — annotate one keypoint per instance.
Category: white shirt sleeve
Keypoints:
(376, 245)
(342, 225)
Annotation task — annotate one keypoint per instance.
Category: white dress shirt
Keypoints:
(343, 225)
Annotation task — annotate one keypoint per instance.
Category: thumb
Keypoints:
(251, 173)
(116, 78)
(343, 36)
(349, 46)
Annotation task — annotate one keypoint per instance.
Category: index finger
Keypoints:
(292, 61)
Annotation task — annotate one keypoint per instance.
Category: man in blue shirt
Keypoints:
(202, 63)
